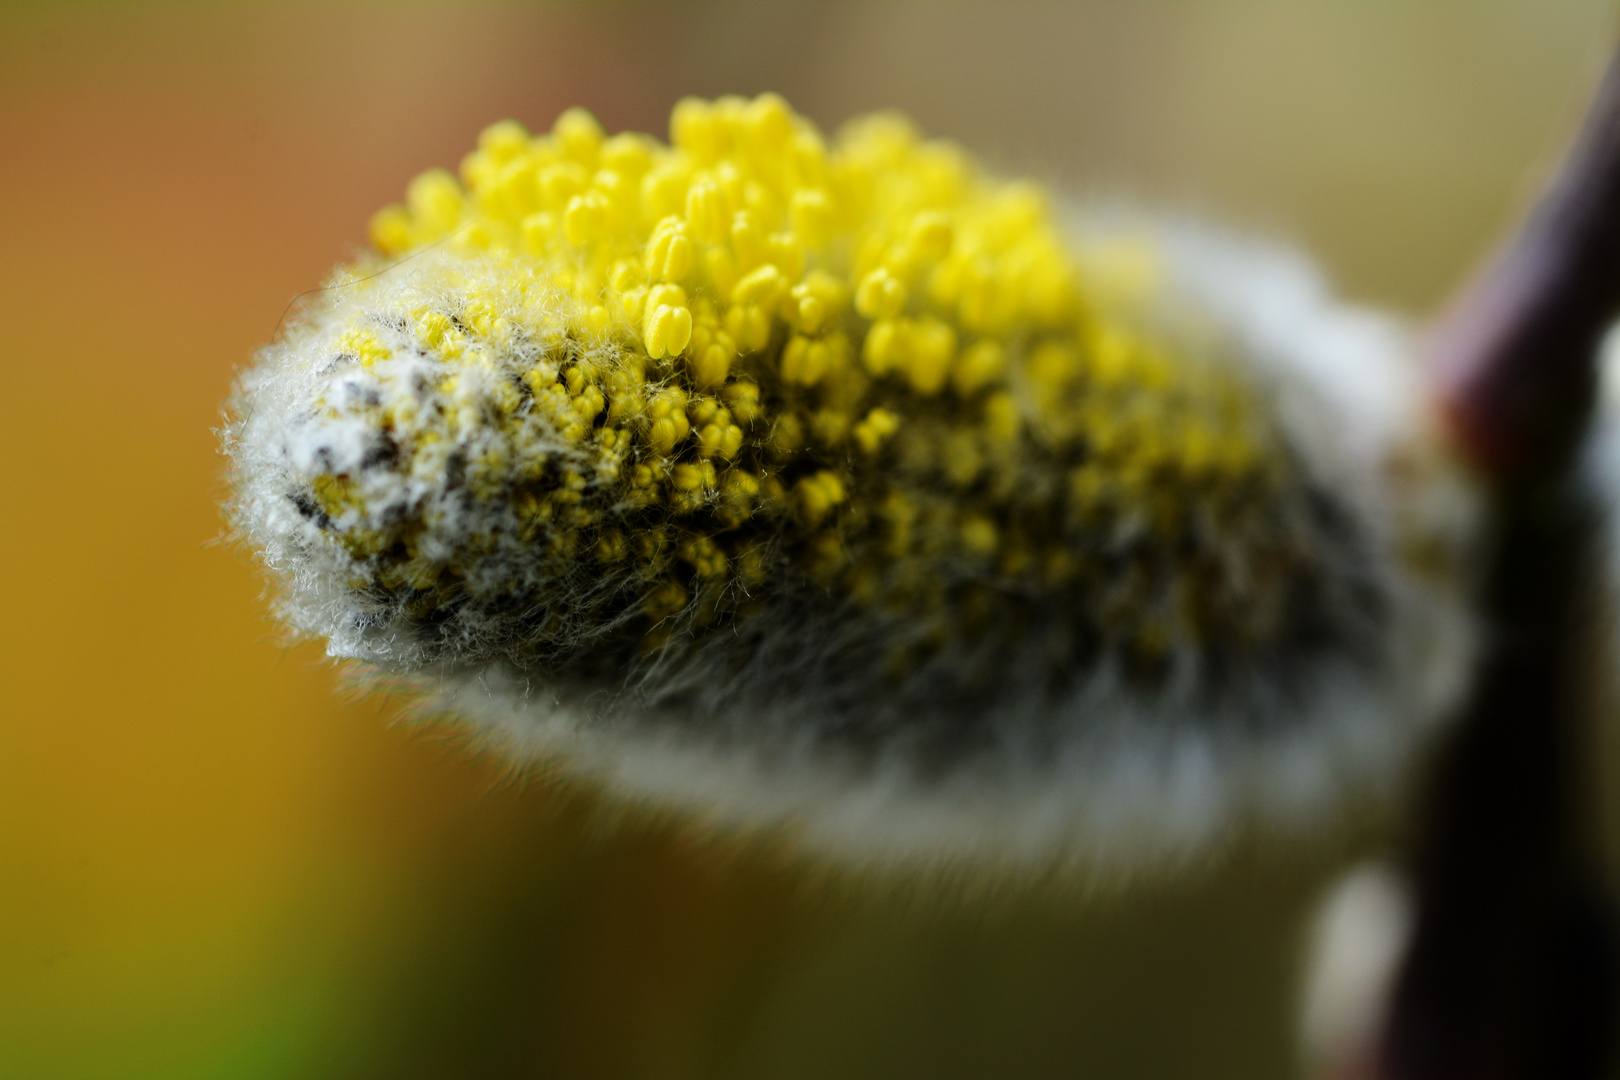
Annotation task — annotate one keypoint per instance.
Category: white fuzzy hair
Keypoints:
(1105, 781)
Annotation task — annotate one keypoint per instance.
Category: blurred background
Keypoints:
(215, 864)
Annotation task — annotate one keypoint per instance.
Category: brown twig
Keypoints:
(1512, 972)
(1513, 356)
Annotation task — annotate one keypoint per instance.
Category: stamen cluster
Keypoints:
(616, 389)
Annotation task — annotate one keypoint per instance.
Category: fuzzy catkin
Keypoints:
(840, 486)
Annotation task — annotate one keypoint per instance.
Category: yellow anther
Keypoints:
(979, 365)
(575, 379)
(805, 362)
(435, 201)
(711, 366)
(670, 295)
(671, 401)
(888, 346)
(666, 433)
(705, 322)
(787, 252)
(590, 404)
(626, 275)
(669, 424)
(634, 302)
(749, 326)
(540, 379)
(792, 362)
(831, 291)
(732, 185)
(880, 295)
(669, 251)
(707, 560)
(818, 494)
(741, 482)
(561, 181)
(769, 122)
(722, 270)
(850, 384)
(515, 188)
(537, 230)
(504, 140)
(706, 215)
(808, 158)
(433, 328)
(743, 397)
(666, 330)
(663, 191)
(933, 347)
(981, 306)
(812, 213)
(390, 230)
(872, 432)
(626, 401)
(700, 410)
(830, 426)
(930, 235)
(615, 189)
(719, 440)
(363, 346)
(611, 546)
(627, 153)
(1020, 206)
(650, 543)
(740, 489)
(479, 316)
(578, 135)
(694, 129)
(809, 311)
(763, 286)
(762, 200)
(477, 172)
(787, 436)
(585, 218)
(686, 478)
(748, 241)
(668, 599)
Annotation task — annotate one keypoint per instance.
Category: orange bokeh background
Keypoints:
(213, 864)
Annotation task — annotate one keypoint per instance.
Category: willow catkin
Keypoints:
(842, 487)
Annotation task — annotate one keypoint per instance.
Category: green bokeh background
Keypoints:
(213, 864)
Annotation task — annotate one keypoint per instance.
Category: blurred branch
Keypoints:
(1513, 969)
(1513, 357)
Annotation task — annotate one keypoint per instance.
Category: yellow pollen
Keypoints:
(758, 352)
